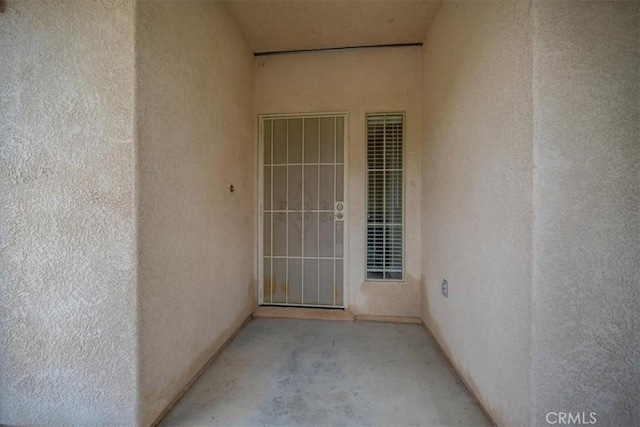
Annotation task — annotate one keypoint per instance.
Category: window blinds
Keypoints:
(385, 231)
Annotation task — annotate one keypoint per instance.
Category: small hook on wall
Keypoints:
(231, 188)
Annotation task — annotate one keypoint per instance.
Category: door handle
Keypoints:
(339, 208)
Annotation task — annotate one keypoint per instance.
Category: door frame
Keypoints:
(345, 239)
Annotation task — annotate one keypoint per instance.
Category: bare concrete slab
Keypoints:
(293, 372)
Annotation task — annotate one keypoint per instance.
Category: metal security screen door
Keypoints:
(303, 209)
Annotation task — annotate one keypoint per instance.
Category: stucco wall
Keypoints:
(476, 198)
(586, 286)
(196, 135)
(67, 213)
(359, 81)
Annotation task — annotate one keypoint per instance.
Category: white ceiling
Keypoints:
(281, 25)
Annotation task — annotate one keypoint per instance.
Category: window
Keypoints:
(385, 231)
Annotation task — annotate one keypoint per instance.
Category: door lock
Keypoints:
(339, 211)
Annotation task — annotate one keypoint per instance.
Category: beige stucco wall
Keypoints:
(543, 262)
(196, 137)
(358, 81)
(67, 213)
(586, 270)
(476, 198)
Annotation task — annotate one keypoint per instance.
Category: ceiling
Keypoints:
(281, 25)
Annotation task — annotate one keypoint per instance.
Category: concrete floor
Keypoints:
(290, 372)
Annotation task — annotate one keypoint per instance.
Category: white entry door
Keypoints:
(303, 210)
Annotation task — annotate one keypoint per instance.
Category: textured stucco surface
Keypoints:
(67, 213)
(196, 137)
(586, 286)
(525, 198)
(476, 198)
(359, 81)
(277, 25)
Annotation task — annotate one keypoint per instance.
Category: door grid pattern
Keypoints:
(303, 211)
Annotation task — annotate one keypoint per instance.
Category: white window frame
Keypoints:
(404, 198)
